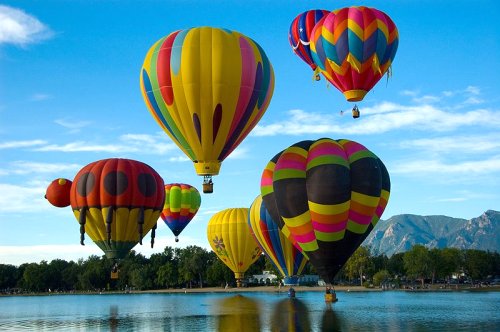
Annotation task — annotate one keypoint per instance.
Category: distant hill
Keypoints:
(401, 232)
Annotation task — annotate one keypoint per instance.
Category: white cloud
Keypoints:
(20, 28)
(437, 167)
(179, 159)
(82, 146)
(21, 144)
(40, 97)
(454, 144)
(28, 167)
(16, 198)
(73, 126)
(380, 118)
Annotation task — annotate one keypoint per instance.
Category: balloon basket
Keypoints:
(208, 185)
(114, 275)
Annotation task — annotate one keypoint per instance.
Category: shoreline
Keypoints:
(264, 289)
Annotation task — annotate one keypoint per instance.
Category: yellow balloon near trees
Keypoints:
(230, 238)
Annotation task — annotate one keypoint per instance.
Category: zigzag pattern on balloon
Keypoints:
(353, 48)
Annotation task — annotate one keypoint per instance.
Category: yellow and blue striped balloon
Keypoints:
(288, 259)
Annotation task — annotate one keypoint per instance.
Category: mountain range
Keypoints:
(399, 233)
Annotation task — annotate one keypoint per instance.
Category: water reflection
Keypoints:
(238, 313)
(113, 318)
(331, 321)
(290, 314)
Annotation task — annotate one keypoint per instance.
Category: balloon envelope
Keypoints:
(353, 48)
(182, 201)
(285, 256)
(207, 88)
(300, 32)
(329, 194)
(229, 236)
(117, 201)
(58, 192)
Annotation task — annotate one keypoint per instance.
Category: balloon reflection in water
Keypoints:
(331, 321)
(238, 313)
(290, 315)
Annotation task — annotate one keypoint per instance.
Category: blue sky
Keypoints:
(69, 95)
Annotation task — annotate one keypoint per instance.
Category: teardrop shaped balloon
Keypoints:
(229, 236)
(117, 201)
(287, 259)
(207, 88)
(300, 33)
(353, 48)
(329, 194)
(182, 201)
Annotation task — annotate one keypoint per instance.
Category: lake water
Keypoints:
(193, 312)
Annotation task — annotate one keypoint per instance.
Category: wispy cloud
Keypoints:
(40, 97)
(454, 144)
(125, 144)
(27, 167)
(22, 144)
(73, 126)
(438, 167)
(20, 28)
(380, 118)
(15, 198)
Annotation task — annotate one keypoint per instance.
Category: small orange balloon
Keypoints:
(58, 192)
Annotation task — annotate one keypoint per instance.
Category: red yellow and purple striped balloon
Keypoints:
(300, 32)
(207, 88)
(327, 195)
(353, 48)
(182, 201)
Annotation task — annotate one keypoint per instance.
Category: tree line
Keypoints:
(194, 266)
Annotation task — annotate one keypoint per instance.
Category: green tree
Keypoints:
(417, 262)
(95, 273)
(358, 263)
(380, 277)
(8, 276)
(218, 274)
(167, 275)
(476, 264)
(193, 264)
(35, 277)
(450, 262)
(395, 265)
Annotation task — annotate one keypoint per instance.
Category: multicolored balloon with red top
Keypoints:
(353, 48)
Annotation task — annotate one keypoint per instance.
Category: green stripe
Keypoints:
(266, 190)
(327, 160)
(288, 174)
(356, 228)
(329, 237)
(360, 155)
(116, 249)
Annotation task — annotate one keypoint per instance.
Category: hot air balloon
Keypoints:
(237, 313)
(353, 48)
(207, 88)
(285, 256)
(182, 201)
(329, 194)
(229, 236)
(58, 192)
(300, 33)
(116, 202)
